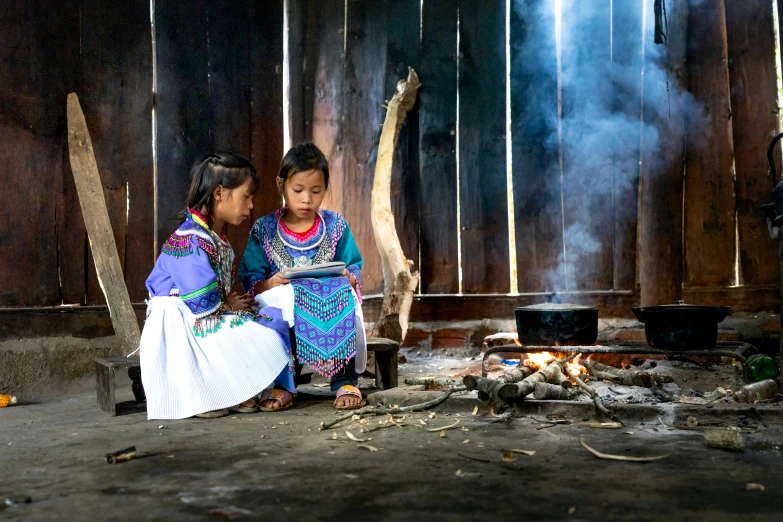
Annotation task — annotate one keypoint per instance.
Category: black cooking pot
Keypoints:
(551, 324)
(681, 326)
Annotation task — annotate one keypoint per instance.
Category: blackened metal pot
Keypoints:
(681, 326)
(555, 324)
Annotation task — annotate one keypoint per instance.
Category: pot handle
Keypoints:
(721, 313)
(639, 313)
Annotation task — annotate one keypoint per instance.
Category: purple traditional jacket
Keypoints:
(197, 265)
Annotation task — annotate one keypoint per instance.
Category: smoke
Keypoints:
(610, 71)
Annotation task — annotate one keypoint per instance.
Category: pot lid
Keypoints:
(680, 306)
(555, 307)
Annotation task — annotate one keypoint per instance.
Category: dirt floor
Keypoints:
(281, 467)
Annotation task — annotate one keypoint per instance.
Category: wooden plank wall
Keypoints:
(219, 88)
(219, 68)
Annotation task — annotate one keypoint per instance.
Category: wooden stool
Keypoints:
(385, 361)
(104, 380)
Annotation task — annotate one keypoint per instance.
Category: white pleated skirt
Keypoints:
(184, 375)
(282, 297)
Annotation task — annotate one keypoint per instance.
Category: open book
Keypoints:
(333, 269)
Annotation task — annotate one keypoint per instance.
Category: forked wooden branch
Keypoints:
(398, 282)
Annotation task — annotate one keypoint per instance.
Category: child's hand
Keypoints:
(239, 302)
(351, 278)
(275, 280)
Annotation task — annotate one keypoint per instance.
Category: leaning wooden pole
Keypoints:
(398, 282)
(99, 231)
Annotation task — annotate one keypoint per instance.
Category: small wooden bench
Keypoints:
(385, 351)
(105, 368)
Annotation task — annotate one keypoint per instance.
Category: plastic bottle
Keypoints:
(758, 391)
(762, 367)
(5, 400)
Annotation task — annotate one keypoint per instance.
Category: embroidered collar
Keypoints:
(199, 219)
(301, 237)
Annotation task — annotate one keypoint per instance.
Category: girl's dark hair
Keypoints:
(215, 169)
(301, 158)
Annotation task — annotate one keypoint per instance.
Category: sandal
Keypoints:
(215, 414)
(352, 391)
(244, 407)
(282, 397)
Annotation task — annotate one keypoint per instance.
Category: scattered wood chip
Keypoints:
(432, 416)
(442, 434)
(571, 510)
(351, 476)
(508, 456)
(529, 453)
(601, 425)
(355, 438)
(444, 428)
(356, 417)
(368, 447)
(475, 410)
(422, 422)
(752, 486)
(464, 428)
(364, 421)
(462, 474)
(334, 435)
(466, 441)
(621, 457)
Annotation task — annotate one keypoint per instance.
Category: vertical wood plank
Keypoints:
(587, 153)
(39, 65)
(183, 105)
(324, 102)
(296, 11)
(710, 246)
(402, 40)
(365, 63)
(437, 149)
(535, 166)
(663, 155)
(482, 143)
(116, 96)
(229, 89)
(266, 115)
(626, 100)
(750, 34)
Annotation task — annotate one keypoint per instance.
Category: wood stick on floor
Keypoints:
(599, 405)
(433, 382)
(372, 410)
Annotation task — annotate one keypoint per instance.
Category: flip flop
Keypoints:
(349, 390)
(242, 408)
(216, 414)
(283, 397)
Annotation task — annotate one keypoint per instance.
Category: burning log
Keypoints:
(499, 391)
(552, 373)
(544, 391)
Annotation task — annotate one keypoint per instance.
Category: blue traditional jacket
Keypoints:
(272, 247)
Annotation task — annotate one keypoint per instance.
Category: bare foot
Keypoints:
(348, 400)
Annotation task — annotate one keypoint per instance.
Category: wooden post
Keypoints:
(660, 233)
(99, 231)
